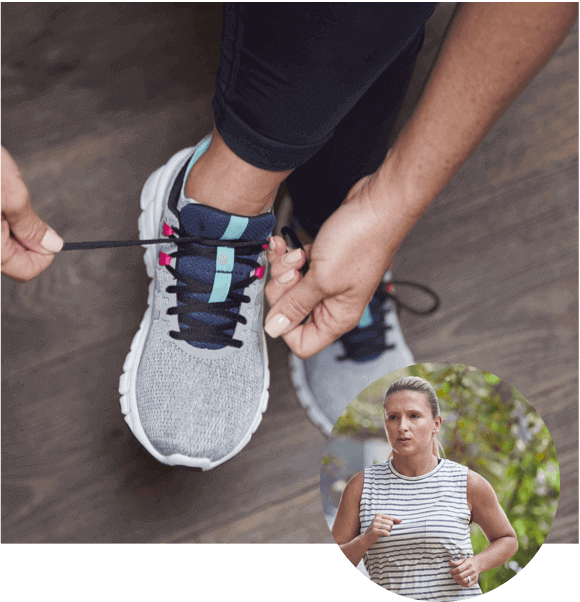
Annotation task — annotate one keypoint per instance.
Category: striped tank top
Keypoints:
(414, 560)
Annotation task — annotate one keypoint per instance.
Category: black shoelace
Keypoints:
(361, 343)
(375, 333)
(195, 330)
(370, 341)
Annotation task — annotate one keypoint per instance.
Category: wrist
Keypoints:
(393, 184)
(365, 541)
(394, 211)
(356, 549)
(479, 565)
(499, 551)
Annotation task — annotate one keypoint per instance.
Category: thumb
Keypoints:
(397, 521)
(292, 307)
(455, 563)
(32, 233)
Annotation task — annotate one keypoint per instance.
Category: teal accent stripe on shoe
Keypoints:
(366, 319)
(224, 263)
(221, 287)
(198, 153)
(235, 228)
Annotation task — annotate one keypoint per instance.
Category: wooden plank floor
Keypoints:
(98, 95)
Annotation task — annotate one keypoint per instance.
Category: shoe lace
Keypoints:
(194, 329)
(369, 342)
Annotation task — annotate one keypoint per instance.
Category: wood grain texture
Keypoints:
(98, 95)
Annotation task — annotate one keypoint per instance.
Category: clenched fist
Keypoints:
(380, 527)
(28, 244)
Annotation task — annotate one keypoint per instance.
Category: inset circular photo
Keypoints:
(440, 482)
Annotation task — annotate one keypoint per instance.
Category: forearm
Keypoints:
(356, 549)
(499, 551)
(492, 52)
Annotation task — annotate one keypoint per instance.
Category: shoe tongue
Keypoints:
(207, 222)
(201, 220)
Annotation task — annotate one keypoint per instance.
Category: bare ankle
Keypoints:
(222, 180)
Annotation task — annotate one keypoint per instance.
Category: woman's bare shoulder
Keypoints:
(354, 487)
(359, 477)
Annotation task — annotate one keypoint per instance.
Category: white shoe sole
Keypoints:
(305, 396)
(152, 205)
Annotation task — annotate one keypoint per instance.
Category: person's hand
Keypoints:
(348, 259)
(380, 527)
(28, 244)
(463, 569)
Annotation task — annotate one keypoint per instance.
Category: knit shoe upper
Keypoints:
(202, 381)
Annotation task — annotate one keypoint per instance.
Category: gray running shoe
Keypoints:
(195, 383)
(328, 381)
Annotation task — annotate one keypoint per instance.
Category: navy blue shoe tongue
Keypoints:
(201, 220)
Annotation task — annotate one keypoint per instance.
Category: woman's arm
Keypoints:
(489, 515)
(492, 53)
(347, 523)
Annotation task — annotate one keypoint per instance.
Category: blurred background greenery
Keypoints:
(487, 426)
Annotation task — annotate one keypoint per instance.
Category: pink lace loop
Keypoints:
(164, 259)
(167, 230)
(259, 273)
(389, 288)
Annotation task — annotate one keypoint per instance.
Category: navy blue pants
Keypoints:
(315, 87)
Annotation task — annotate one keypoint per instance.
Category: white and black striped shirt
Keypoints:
(414, 560)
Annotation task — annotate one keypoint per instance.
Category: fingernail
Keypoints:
(286, 277)
(272, 244)
(52, 241)
(291, 258)
(277, 325)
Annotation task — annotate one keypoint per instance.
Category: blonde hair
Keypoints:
(420, 385)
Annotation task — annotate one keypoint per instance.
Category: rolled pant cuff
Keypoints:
(257, 150)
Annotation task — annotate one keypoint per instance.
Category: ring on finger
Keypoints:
(468, 579)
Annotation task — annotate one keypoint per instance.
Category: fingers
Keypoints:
(385, 522)
(464, 573)
(28, 244)
(287, 313)
(18, 262)
(388, 517)
(27, 252)
(30, 231)
(276, 248)
(284, 269)
(289, 307)
(282, 261)
(469, 580)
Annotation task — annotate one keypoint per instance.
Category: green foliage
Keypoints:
(489, 427)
